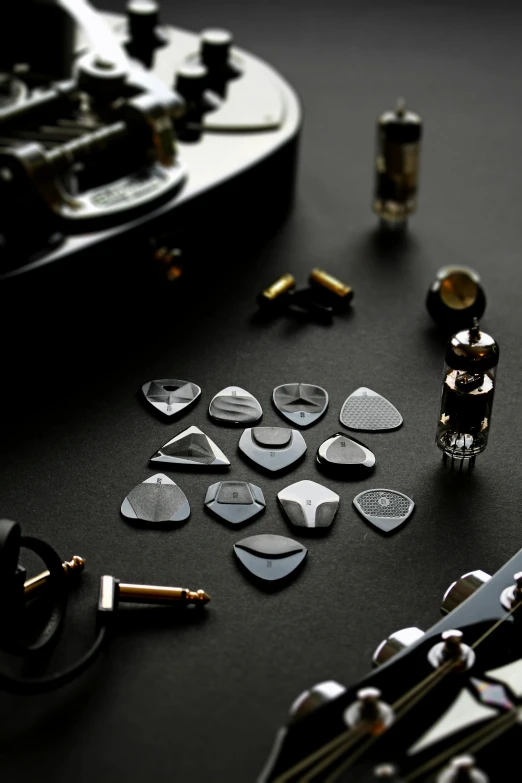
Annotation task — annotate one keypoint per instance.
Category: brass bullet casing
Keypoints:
(37, 583)
(397, 158)
(330, 290)
(114, 592)
(275, 296)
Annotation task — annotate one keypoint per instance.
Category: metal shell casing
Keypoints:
(397, 158)
(468, 389)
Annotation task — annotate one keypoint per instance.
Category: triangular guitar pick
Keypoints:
(384, 508)
(157, 499)
(367, 410)
(274, 448)
(191, 447)
(346, 456)
(270, 557)
(235, 501)
(302, 403)
(309, 504)
(170, 396)
(234, 405)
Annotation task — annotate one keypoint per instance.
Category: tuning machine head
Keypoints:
(396, 643)
(462, 769)
(451, 648)
(462, 588)
(512, 595)
(313, 698)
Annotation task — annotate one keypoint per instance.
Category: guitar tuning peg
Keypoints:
(462, 769)
(452, 648)
(458, 591)
(369, 711)
(315, 697)
(512, 595)
(396, 643)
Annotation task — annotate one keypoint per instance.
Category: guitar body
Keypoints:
(231, 182)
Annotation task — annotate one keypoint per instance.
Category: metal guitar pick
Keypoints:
(384, 508)
(270, 557)
(367, 410)
(308, 504)
(157, 499)
(235, 501)
(234, 405)
(302, 403)
(170, 396)
(274, 448)
(191, 447)
(345, 455)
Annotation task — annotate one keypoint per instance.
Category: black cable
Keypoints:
(12, 605)
(43, 684)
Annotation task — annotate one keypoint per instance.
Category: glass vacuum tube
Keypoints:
(467, 396)
(397, 165)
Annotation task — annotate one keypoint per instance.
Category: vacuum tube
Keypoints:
(467, 396)
(397, 165)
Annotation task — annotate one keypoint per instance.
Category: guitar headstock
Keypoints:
(438, 706)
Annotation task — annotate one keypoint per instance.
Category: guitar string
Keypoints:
(348, 762)
(344, 737)
(481, 737)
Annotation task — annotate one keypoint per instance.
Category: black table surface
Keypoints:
(199, 698)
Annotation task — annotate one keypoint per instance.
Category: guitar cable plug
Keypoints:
(52, 587)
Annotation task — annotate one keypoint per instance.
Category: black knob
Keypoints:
(191, 81)
(143, 18)
(215, 48)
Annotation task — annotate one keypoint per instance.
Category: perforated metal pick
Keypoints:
(345, 455)
(270, 557)
(157, 499)
(302, 403)
(274, 448)
(235, 501)
(234, 405)
(367, 410)
(308, 504)
(191, 447)
(384, 508)
(170, 396)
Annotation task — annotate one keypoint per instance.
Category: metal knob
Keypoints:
(458, 591)
(191, 81)
(215, 48)
(462, 769)
(142, 18)
(369, 710)
(310, 700)
(396, 643)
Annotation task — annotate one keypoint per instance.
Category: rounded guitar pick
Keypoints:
(345, 455)
(270, 557)
(170, 396)
(235, 501)
(274, 448)
(302, 403)
(157, 499)
(384, 508)
(234, 405)
(308, 504)
(367, 410)
(191, 447)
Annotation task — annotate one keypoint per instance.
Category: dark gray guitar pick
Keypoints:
(270, 557)
(170, 396)
(235, 501)
(157, 499)
(234, 405)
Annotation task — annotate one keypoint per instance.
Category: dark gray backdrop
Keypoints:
(199, 700)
